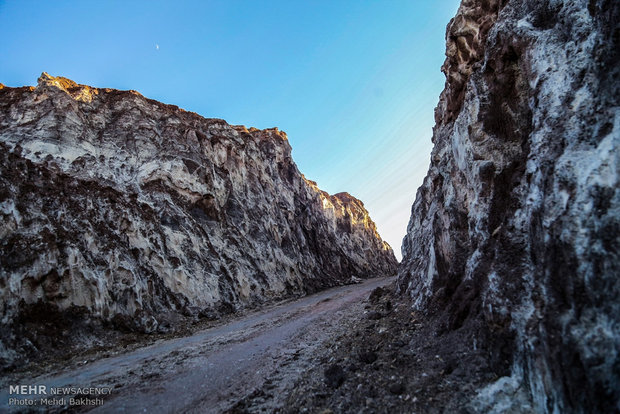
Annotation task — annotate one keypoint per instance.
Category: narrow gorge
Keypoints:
(121, 214)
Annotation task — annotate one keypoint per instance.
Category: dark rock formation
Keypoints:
(515, 232)
(119, 208)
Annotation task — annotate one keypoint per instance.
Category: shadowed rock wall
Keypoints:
(514, 234)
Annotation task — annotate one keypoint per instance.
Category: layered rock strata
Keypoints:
(515, 232)
(119, 208)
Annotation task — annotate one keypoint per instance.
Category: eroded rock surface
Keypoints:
(515, 233)
(121, 209)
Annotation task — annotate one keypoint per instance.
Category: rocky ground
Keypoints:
(386, 360)
(253, 363)
(355, 349)
(61, 350)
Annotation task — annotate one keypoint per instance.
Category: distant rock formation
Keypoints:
(122, 209)
(515, 233)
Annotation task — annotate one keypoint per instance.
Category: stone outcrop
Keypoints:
(515, 232)
(122, 209)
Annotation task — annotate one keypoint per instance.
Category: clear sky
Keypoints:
(353, 83)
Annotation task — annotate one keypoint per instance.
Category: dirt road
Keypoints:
(260, 355)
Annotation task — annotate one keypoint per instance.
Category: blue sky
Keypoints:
(353, 83)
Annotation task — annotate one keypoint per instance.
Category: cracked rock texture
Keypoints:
(515, 232)
(121, 209)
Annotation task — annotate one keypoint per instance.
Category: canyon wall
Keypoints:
(122, 209)
(514, 234)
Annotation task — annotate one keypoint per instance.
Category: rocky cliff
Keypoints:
(515, 232)
(121, 209)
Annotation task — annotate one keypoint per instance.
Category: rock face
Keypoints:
(515, 232)
(119, 208)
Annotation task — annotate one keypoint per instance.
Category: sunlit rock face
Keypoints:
(120, 208)
(514, 234)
